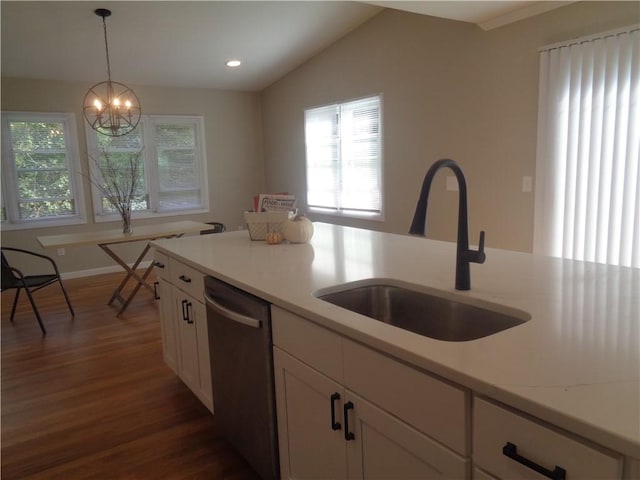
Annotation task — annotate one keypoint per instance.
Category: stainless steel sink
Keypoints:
(431, 314)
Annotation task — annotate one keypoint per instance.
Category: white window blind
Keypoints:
(344, 161)
(587, 193)
(40, 170)
(179, 173)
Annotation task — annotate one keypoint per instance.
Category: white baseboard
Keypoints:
(99, 271)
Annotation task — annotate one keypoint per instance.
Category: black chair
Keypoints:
(217, 228)
(13, 279)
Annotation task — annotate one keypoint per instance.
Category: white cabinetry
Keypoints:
(480, 475)
(335, 422)
(385, 447)
(191, 325)
(433, 406)
(309, 447)
(167, 323)
(183, 317)
(522, 448)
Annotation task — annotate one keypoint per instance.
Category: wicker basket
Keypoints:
(260, 223)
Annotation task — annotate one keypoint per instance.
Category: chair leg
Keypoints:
(15, 302)
(66, 297)
(35, 310)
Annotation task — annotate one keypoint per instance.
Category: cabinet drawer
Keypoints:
(430, 405)
(308, 342)
(161, 262)
(495, 427)
(187, 279)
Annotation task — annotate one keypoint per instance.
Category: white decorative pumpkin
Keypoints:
(298, 229)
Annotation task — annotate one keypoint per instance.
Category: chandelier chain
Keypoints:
(106, 47)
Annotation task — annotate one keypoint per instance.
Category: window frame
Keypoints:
(10, 190)
(151, 175)
(342, 212)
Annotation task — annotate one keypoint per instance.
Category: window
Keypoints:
(587, 188)
(344, 159)
(40, 170)
(172, 162)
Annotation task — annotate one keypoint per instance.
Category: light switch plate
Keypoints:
(527, 184)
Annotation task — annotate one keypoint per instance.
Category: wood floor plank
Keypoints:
(93, 398)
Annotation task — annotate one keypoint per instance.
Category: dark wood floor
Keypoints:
(93, 398)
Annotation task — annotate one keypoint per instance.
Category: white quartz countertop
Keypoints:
(575, 363)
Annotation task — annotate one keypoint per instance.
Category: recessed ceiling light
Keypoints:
(233, 63)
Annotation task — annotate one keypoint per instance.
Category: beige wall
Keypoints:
(235, 168)
(449, 89)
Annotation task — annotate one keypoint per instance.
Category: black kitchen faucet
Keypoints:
(464, 255)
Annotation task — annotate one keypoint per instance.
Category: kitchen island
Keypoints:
(574, 365)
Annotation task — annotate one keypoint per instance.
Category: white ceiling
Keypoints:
(486, 14)
(183, 43)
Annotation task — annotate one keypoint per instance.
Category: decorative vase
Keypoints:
(127, 227)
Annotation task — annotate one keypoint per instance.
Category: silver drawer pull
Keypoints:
(231, 315)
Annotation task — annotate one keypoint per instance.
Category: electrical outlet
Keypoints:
(61, 252)
(527, 184)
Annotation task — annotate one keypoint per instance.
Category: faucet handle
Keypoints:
(479, 256)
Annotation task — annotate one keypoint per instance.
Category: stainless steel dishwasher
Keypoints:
(241, 353)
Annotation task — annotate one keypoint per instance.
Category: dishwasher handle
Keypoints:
(230, 314)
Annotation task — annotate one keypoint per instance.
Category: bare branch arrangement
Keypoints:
(119, 178)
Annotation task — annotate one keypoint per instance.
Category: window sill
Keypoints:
(376, 217)
(148, 215)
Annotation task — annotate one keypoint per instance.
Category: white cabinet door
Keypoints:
(198, 313)
(168, 325)
(383, 447)
(315, 418)
(310, 447)
(188, 362)
(183, 320)
(192, 337)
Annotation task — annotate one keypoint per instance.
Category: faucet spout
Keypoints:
(464, 256)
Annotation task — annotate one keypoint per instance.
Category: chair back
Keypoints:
(9, 279)
(217, 228)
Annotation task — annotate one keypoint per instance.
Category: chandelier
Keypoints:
(111, 108)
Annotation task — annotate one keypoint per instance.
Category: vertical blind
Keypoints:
(343, 156)
(587, 194)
